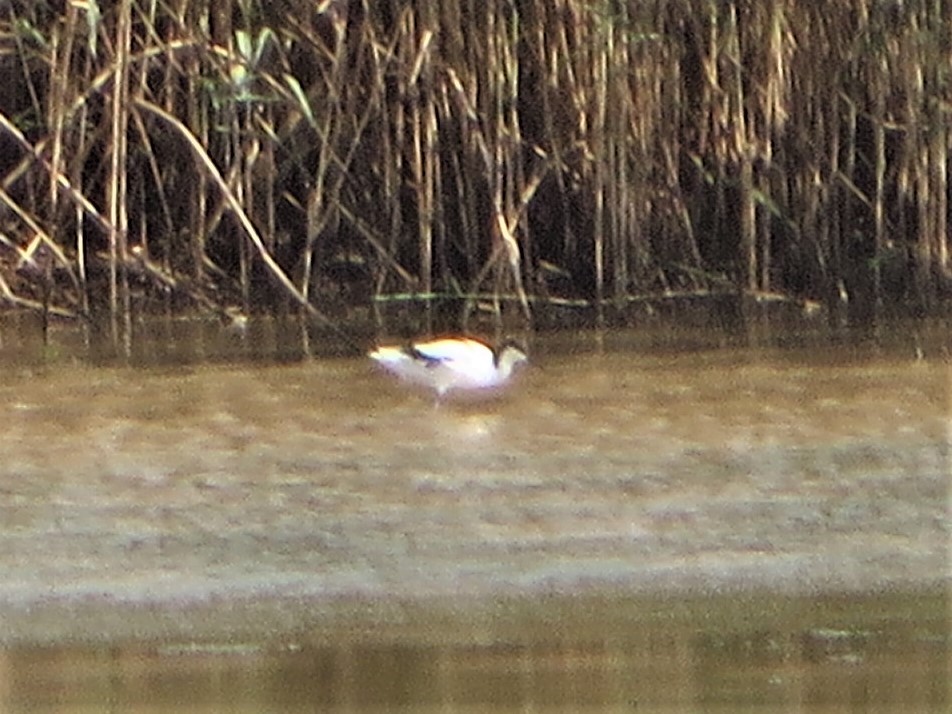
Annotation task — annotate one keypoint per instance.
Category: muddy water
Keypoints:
(654, 526)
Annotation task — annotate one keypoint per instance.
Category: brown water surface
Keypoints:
(650, 527)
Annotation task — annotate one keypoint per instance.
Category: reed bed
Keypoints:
(253, 157)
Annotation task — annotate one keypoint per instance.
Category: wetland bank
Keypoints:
(748, 509)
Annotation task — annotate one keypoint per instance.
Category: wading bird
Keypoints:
(451, 364)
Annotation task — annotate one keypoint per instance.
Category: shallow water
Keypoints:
(315, 529)
(882, 653)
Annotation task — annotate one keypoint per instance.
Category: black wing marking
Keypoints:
(427, 360)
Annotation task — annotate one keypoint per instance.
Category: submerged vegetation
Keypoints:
(254, 157)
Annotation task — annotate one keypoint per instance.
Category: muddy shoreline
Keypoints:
(204, 502)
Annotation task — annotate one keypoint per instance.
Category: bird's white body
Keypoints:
(448, 364)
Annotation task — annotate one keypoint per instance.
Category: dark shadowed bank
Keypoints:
(337, 158)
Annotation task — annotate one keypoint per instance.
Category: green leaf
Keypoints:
(295, 86)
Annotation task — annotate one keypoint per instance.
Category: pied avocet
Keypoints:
(451, 363)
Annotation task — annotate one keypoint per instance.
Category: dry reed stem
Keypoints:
(211, 171)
